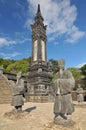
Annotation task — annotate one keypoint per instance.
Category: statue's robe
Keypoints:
(80, 97)
(17, 93)
(63, 99)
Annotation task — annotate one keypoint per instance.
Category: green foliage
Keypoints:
(5, 63)
(83, 71)
(76, 73)
(53, 65)
(13, 66)
(54, 68)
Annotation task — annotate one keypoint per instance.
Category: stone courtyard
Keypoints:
(39, 116)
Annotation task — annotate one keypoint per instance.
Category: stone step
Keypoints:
(37, 99)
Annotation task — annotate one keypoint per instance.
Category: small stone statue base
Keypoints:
(13, 115)
(60, 125)
(63, 122)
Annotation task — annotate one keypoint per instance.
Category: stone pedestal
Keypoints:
(65, 123)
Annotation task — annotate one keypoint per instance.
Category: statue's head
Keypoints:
(79, 85)
(19, 75)
(61, 64)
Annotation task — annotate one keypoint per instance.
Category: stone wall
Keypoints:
(5, 89)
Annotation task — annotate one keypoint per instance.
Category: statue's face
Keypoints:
(19, 75)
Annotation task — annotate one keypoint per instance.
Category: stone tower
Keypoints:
(39, 39)
(39, 74)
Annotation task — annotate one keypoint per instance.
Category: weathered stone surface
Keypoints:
(39, 74)
(14, 115)
(64, 123)
(80, 97)
(63, 88)
(5, 89)
(18, 91)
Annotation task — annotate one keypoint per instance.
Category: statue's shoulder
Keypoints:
(21, 80)
(67, 72)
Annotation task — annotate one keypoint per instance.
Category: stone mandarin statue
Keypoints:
(80, 97)
(18, 92)
(64, 84)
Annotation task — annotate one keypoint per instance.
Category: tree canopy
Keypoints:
(76, 73)
(83, 70)
(14, 66)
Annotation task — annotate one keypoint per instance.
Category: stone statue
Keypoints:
(79, 91)
(1, 69)
(18, 92)
(64, 84)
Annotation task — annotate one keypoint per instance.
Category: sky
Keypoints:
(66, 29)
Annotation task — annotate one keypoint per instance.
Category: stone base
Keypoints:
(64, 123)
(14, 115)
(38, 99)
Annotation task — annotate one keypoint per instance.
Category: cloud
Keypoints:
(56, 43)
(60, 16)
(80, 65)
(4, 41)
(9, 56)
(74, 35)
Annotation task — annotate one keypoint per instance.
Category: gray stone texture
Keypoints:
(38, 73)
(18, 91)
(1, 69)
(63, 88)
(80, 97)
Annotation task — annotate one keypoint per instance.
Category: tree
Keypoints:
(5, 62)
(53, 65)
(19, 65)
(83, 71)
(76, 73)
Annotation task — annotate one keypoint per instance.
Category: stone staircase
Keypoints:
(5, 89)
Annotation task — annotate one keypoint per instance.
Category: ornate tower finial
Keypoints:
(38, 14)
(38, 11)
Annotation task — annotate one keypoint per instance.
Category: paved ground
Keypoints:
(39, 116)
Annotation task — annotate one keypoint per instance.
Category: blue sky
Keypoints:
(66, 30)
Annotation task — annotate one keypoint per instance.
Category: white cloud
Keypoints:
(4, 41)
(60, 16)
(74, 35)
(56, 43)
(9, 56)
(80, 65)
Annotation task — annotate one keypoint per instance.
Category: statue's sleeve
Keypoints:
(56, 85)
(22, 84)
